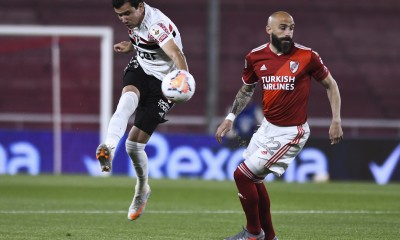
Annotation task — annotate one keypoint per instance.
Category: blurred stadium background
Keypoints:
(358, 41)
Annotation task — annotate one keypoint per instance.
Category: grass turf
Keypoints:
(82, 207)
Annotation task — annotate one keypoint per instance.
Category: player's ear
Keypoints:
(141, 5)
(268, 29)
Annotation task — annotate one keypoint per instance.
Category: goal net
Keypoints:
(21, 42)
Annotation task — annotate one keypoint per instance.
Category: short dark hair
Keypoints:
(118, 3)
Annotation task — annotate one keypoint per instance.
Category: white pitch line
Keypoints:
(335, 212)
(197, 212)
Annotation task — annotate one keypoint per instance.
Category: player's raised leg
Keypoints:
(116, 129)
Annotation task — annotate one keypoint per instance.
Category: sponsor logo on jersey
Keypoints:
(278, 82)
(264, 152)
(278, 79)
(163, 27)
(158, 32)
(263, 68)
(162, 37)
(294, 65)
(164, 106)
(145, 55)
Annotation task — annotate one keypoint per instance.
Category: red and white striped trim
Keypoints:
(246, 171)
(281, 152)
(259, 48)
(301, 46)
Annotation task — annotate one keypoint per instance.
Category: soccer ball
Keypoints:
(178, 86)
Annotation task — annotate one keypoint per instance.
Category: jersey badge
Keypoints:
(294, 65)
(156, 32)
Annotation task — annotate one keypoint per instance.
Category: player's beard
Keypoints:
(283, 45)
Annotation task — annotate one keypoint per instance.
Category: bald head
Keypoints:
(279, 17)
(280, 27)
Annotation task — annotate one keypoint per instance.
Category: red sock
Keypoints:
(249, 199)
(265, 211)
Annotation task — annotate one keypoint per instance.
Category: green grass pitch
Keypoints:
(82, 207)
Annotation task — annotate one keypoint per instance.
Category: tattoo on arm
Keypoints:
(243, 97)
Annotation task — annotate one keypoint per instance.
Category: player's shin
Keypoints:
(119, 121)
(264, 207)
(139, 159)
(248, 197)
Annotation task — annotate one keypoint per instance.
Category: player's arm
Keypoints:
(173, 51)
(335, 130)
(123, 47)
(242, 98)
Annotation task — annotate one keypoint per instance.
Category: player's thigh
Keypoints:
(256, 139)
(275, 148)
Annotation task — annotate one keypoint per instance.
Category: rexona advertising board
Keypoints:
(199, 156)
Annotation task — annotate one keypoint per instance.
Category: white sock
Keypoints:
(119, 121)
(139, 159)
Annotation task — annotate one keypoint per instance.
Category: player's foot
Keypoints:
(104, 155)
(138, 204)
(245, 235)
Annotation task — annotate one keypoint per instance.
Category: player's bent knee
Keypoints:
(134, 148)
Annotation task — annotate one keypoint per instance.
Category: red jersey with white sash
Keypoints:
(285, 80)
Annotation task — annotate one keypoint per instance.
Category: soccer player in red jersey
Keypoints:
(284, 70)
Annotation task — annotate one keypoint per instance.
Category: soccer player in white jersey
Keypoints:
(284, 70)
(157, 43)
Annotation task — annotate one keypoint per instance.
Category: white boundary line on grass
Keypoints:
(197, 212)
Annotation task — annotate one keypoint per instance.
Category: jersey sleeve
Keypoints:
(318, 70)
(159, 32)
(249, 77)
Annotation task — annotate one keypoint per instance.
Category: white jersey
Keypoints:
(154, 31)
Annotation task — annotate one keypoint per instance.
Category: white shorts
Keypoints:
(273, 148)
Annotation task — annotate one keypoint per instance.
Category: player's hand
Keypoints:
(335, 133)
(123, 47)
(223, 128)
